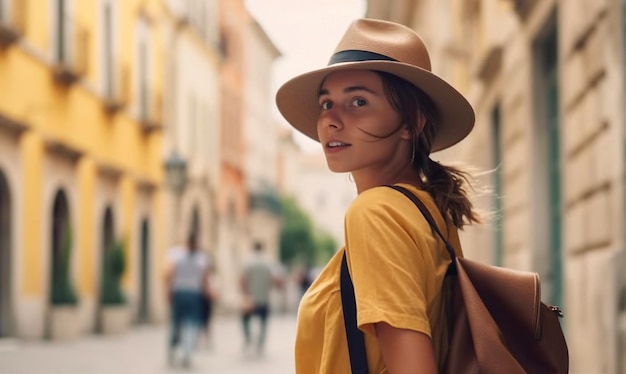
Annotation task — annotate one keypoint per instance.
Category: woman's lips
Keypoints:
(335, 146)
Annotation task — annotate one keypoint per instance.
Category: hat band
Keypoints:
(353, 55)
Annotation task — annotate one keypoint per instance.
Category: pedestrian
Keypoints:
(378, 112)
(305, 278)
(208, 301)
(258, 278)
(186, 280)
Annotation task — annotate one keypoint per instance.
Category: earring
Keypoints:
(412, 152)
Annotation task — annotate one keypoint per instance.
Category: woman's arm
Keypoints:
(405, 351)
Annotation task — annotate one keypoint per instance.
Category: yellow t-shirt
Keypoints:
(397, 268)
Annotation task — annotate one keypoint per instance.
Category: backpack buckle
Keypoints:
(556, 310)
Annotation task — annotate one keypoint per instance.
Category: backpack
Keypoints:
(498, 322)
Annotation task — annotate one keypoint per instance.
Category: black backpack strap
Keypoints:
(356, 340)
(429, 219)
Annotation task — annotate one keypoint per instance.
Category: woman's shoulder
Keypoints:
(386, 198)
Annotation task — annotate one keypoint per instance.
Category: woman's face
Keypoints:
(357, 127)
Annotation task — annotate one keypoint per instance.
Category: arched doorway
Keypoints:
(195, 222)
(61, 289)
(106, 245)
(6, 297)
(108, 231)
(143, 312)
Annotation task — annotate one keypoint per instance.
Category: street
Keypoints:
(142, 350)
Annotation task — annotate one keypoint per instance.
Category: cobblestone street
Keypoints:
(142, 350)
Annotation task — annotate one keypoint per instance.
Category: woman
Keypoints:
(378, 112)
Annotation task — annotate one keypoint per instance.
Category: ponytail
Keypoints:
(446, 184)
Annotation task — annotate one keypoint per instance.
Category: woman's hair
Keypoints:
(446, 184)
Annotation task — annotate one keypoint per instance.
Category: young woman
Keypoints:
(379, 112)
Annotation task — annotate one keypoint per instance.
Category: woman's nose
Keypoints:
(329, 119)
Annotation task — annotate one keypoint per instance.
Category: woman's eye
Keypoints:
(325, 105)
(359, 102)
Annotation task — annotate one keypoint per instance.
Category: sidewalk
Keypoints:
(143, 351)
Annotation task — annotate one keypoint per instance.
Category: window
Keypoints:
(496, 146)
(61, 32)
(108, 49)
(192, 125)
(548, 202)
(143, 71)
(143, 80)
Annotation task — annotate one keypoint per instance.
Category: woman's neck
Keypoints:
(365, 180)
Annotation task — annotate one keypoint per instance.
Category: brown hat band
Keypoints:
(353, 55)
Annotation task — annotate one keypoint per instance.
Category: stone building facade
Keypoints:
(546, 79)
(248, 147)
(192, 98)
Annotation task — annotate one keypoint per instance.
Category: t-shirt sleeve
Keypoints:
(388, 260)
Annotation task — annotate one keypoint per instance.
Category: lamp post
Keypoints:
(176, 178)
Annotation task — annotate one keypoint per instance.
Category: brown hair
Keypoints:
(446, 184)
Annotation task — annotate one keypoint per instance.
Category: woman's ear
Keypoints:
(421, 122)
(407, 132)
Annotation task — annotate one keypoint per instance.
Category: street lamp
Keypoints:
(176, 178)
(176, 173)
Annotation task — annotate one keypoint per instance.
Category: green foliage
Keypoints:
(299, 241)
(326, 247)
(62, 290)
(113, 269)
(296, 238)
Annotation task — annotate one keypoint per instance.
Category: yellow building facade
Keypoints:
(80, 157)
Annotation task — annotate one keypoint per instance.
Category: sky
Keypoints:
(306, 33)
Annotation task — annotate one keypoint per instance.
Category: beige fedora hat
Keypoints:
(384, 46)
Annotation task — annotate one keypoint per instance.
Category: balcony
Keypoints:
(151, 113)
(73, 64)
(523, 7)
(117, 93)
(12, 125)
(493, 26)
(490, 62)
(62, 149)
(265, 198)
(13, 24)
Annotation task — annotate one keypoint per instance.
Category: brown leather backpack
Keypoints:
(499, 324)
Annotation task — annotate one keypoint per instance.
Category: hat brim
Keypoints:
(297, 99)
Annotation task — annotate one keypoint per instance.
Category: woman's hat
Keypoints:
(384, 46)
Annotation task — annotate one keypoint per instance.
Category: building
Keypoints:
(80, 165)
(261, 137)
(233, 194)
(192, 133)
(546, 79)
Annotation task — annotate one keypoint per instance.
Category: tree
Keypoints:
(300, 241)
(297, 240)
(326, 247)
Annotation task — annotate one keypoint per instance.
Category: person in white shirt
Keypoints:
(186, 283)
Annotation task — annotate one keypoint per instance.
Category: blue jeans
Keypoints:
(186, 315)
(261, 311)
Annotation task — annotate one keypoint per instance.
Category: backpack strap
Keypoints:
(429, 218)
(356, 340)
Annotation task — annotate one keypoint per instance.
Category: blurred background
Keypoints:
(127, 125)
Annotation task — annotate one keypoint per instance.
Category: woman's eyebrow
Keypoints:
(350, 89)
